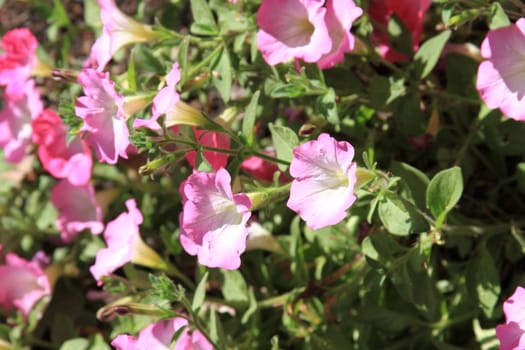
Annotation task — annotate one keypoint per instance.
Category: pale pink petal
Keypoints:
(340, 14)
(213, 220)
(324, 172)
(511, 336)
(77, 208)
(296, 30)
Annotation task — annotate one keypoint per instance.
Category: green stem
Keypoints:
(474, 230)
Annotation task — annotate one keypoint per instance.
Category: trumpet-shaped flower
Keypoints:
(78, 209)
(340, 14)
(158, 336)
(165, 99)
(213, 219)
(18, 57)
(118, 31)
(21, 106)
(512, 334)
(23, 284)
(324, 172)
(292, 29)
(71, 161)
(501, 77)
(124, 245)
(104, 119)
(410, 12)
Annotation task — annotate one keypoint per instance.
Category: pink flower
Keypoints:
(19, 57)
(20, 108)
(501, 76)
(118, 31)
(340, 14)
(292, 29)
(158, 336)
(23, 284)
(71, 161)
(104, 119)
(324, 172)
(165, 99)
(213, 219)
(410, 12)
(512, 334)
(78, 209)
(124, 244)
(214, 139)
(262, 169)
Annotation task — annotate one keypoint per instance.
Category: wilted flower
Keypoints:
(24, 283)
(501, 77)
(158, 336)
(118, 31)
(104, 120)
(62, 160)
(21, 106)
(512, 334)
(410, 12)
(77, 208)
(213, 219)
(324, 178)
(124, 245)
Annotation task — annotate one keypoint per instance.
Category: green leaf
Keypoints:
(182, 58)
(385, 90)
(132, 75)
(428, 54)
(498, 17)
(483, 280)
(200, 293)
(443, 193)
(222, 74)
(284, 90)
(400, 37)
(234, 288)
(399, 217)
(416, 180)
(249, 118)
(284, 140)
(204, 22)
(328, 107)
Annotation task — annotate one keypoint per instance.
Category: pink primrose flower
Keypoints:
(78, 209)
(20, 108)
(18, 57)
(118, 30)
(501, 77)
(165, 100)
(410, 12)
(340, 14)
(214, 139)
(104, 119)
(158, 336)
(292, 29)
(124, 245)
(71, 161)
(512, 334)
(213, 219)
(324, 178)
(23, 284)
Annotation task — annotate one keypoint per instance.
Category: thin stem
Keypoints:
(173, 271)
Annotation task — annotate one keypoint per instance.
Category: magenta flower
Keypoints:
(104, 119)
(340, 14)
(77, 208)
(501, 77)
(165, 100)
(18, 57)
(324, 172)
(118, 31)
(292, 29)
(23, 284)
(124, 245)
(21, 106)
(512, 334)
(410, 12)
(158, 336)
(72, 161)
(213, 219)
